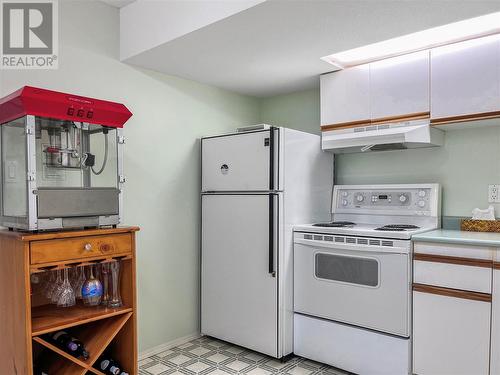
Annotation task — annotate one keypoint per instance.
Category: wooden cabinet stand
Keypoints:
(27, 316)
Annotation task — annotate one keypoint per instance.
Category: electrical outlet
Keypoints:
(493, 194)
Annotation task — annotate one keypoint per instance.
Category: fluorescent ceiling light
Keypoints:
(422, 40)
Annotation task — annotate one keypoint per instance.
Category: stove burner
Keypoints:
(335, 224)
(397, 227)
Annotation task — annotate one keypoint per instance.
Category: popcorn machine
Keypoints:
(61, 160)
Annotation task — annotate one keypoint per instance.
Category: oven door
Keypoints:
(363, 285)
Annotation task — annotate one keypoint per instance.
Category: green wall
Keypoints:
(465, 165)
(161, 157)
(299, 110)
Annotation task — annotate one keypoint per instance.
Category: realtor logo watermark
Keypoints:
(29, 34)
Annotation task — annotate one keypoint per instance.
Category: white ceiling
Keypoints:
(118, 3)
(275, 47)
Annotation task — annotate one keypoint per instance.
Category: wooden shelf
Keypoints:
(28, 315)
(99, 335)
(49, 318)
(60, 352)
(60, 365)
(96, 337)
(95, 371)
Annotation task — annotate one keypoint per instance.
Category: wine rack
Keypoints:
(27, 318)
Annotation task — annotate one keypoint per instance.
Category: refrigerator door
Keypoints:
(239, 162)
(239, 293)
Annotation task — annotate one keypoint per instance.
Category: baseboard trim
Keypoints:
(168, 345)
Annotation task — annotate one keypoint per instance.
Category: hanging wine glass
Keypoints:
(79, 283)
(45, 281)
(51, 285)
(116, 299)
(67, 294)
(92, 290)
(58, 288)
(73, 277)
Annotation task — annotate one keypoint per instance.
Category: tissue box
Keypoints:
(480, 225)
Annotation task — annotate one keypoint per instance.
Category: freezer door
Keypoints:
(239, 162)
(238, 281)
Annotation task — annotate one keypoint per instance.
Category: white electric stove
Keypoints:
(352, 277)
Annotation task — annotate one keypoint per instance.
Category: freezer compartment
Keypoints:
(350, 348)
(240, 162)
(76, 202)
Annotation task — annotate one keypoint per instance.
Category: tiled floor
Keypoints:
(206, 355)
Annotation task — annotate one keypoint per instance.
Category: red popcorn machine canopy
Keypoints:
(61, 106)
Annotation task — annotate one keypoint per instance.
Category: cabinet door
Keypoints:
(239, 294)
(451, 336)
(495, 323)
(400, 86)
(465, 78)
(345, 96)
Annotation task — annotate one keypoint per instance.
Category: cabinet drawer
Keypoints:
(51, 251)
(454, 250)
(476, 278)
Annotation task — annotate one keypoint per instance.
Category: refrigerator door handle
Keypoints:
(271, 158)
(271, 235)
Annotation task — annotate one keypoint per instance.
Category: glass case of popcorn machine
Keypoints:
(61, 160)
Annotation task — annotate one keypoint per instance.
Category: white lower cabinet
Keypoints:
(495, 323)
(451, 335)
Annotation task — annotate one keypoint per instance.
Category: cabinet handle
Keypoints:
(87, 247)
(448, 292)
(105, 248)
(271, 158)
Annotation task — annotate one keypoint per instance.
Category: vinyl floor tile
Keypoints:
(209, 356)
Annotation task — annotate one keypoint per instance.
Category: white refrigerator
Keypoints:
(256, 185)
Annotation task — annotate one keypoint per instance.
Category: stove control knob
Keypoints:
(421, 204)
(422, 193)
(360, 198)
(345, 193)
(403, 198)
(344, 202)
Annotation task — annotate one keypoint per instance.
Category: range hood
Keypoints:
(382, 137)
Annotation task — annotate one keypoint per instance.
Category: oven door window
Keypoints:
(347, 269)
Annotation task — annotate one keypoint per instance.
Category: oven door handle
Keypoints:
(332, 246)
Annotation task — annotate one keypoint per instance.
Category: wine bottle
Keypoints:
(38, 371)
(109, 366)
(70, 345)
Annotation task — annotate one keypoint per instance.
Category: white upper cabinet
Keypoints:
(454, 83)
(345, 96)
(400, 86)
(465, 78)
(394, 87)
